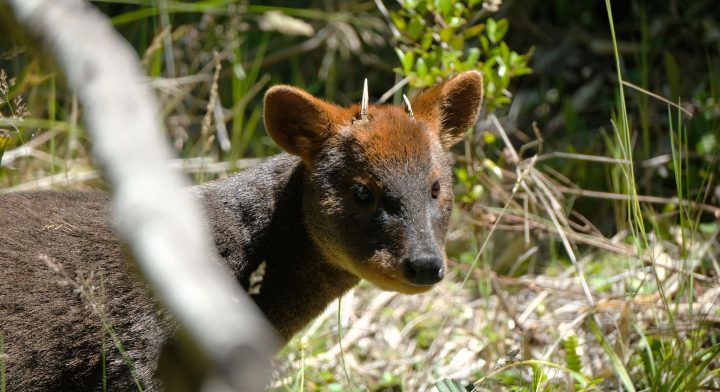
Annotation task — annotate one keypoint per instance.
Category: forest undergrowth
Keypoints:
(555, 283)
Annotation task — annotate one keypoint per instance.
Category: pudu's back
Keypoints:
(64, 286)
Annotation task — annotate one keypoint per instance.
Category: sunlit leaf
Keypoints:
(501, 28)
(415, 28)
(491, 27)
(421, 68)
(473, 57)
(427, 40)
(407, 60)
(474, 30)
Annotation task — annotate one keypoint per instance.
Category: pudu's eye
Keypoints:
(363, 194)
(435, 189)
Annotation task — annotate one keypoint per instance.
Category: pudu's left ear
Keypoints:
(455, 103)
(298, 122)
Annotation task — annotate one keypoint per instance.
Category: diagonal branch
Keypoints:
(159, 219)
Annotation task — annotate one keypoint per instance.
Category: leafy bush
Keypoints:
(443, 37)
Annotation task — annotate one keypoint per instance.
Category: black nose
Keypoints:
(424, 270)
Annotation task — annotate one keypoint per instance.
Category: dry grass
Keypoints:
(410, 342)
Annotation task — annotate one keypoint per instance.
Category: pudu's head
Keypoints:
(378, 193)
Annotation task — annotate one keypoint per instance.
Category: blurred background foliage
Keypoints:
(671, 48)
(329, 47)
(551, 89)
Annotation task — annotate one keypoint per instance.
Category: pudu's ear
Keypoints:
(455, 103)
(297, 121)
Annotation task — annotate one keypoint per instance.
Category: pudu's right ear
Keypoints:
(297, 121)
(455, 103)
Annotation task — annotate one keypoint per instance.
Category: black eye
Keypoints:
(435, 189)
(363, 194)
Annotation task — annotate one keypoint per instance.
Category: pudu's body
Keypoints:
(361, 195)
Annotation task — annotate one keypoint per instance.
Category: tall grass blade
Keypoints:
(616, 362)
(342, 349)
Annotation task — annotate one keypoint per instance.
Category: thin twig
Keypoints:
(581, 157)
(641, 198)
(553, 209)
(388, 20)
(513, 154)
(292, 51)
(659, 98)
(393, 90)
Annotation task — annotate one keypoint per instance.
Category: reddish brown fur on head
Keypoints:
(378, 192)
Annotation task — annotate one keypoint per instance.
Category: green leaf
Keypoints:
(502, 72)
(427, 40)
(474, 31)
(616, 362)
(445, 7)
(462, 175)
(538, 376)
(458, 42)
(477, 191)
(505, 52)
(488, 137)
(708, 228)
(572, 358)
(447, 34)
(455, 22)
(399, 53)
(491, 27)
(473, 57)
(493, 168)
(448, 385)
(335, 387)
(459, 8)
(708, 144)
(398, 21)
(407, 61)
(421, 68)
(501, 28)
(415, 28)
(388, 379)
(409, 4)
(4, 141)
(485, 44)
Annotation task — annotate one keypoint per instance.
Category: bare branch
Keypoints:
(154, 214)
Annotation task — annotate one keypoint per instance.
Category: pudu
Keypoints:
(361, 192)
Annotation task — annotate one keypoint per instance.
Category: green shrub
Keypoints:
(442, 37)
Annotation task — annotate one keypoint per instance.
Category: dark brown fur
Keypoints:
(64, 278)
